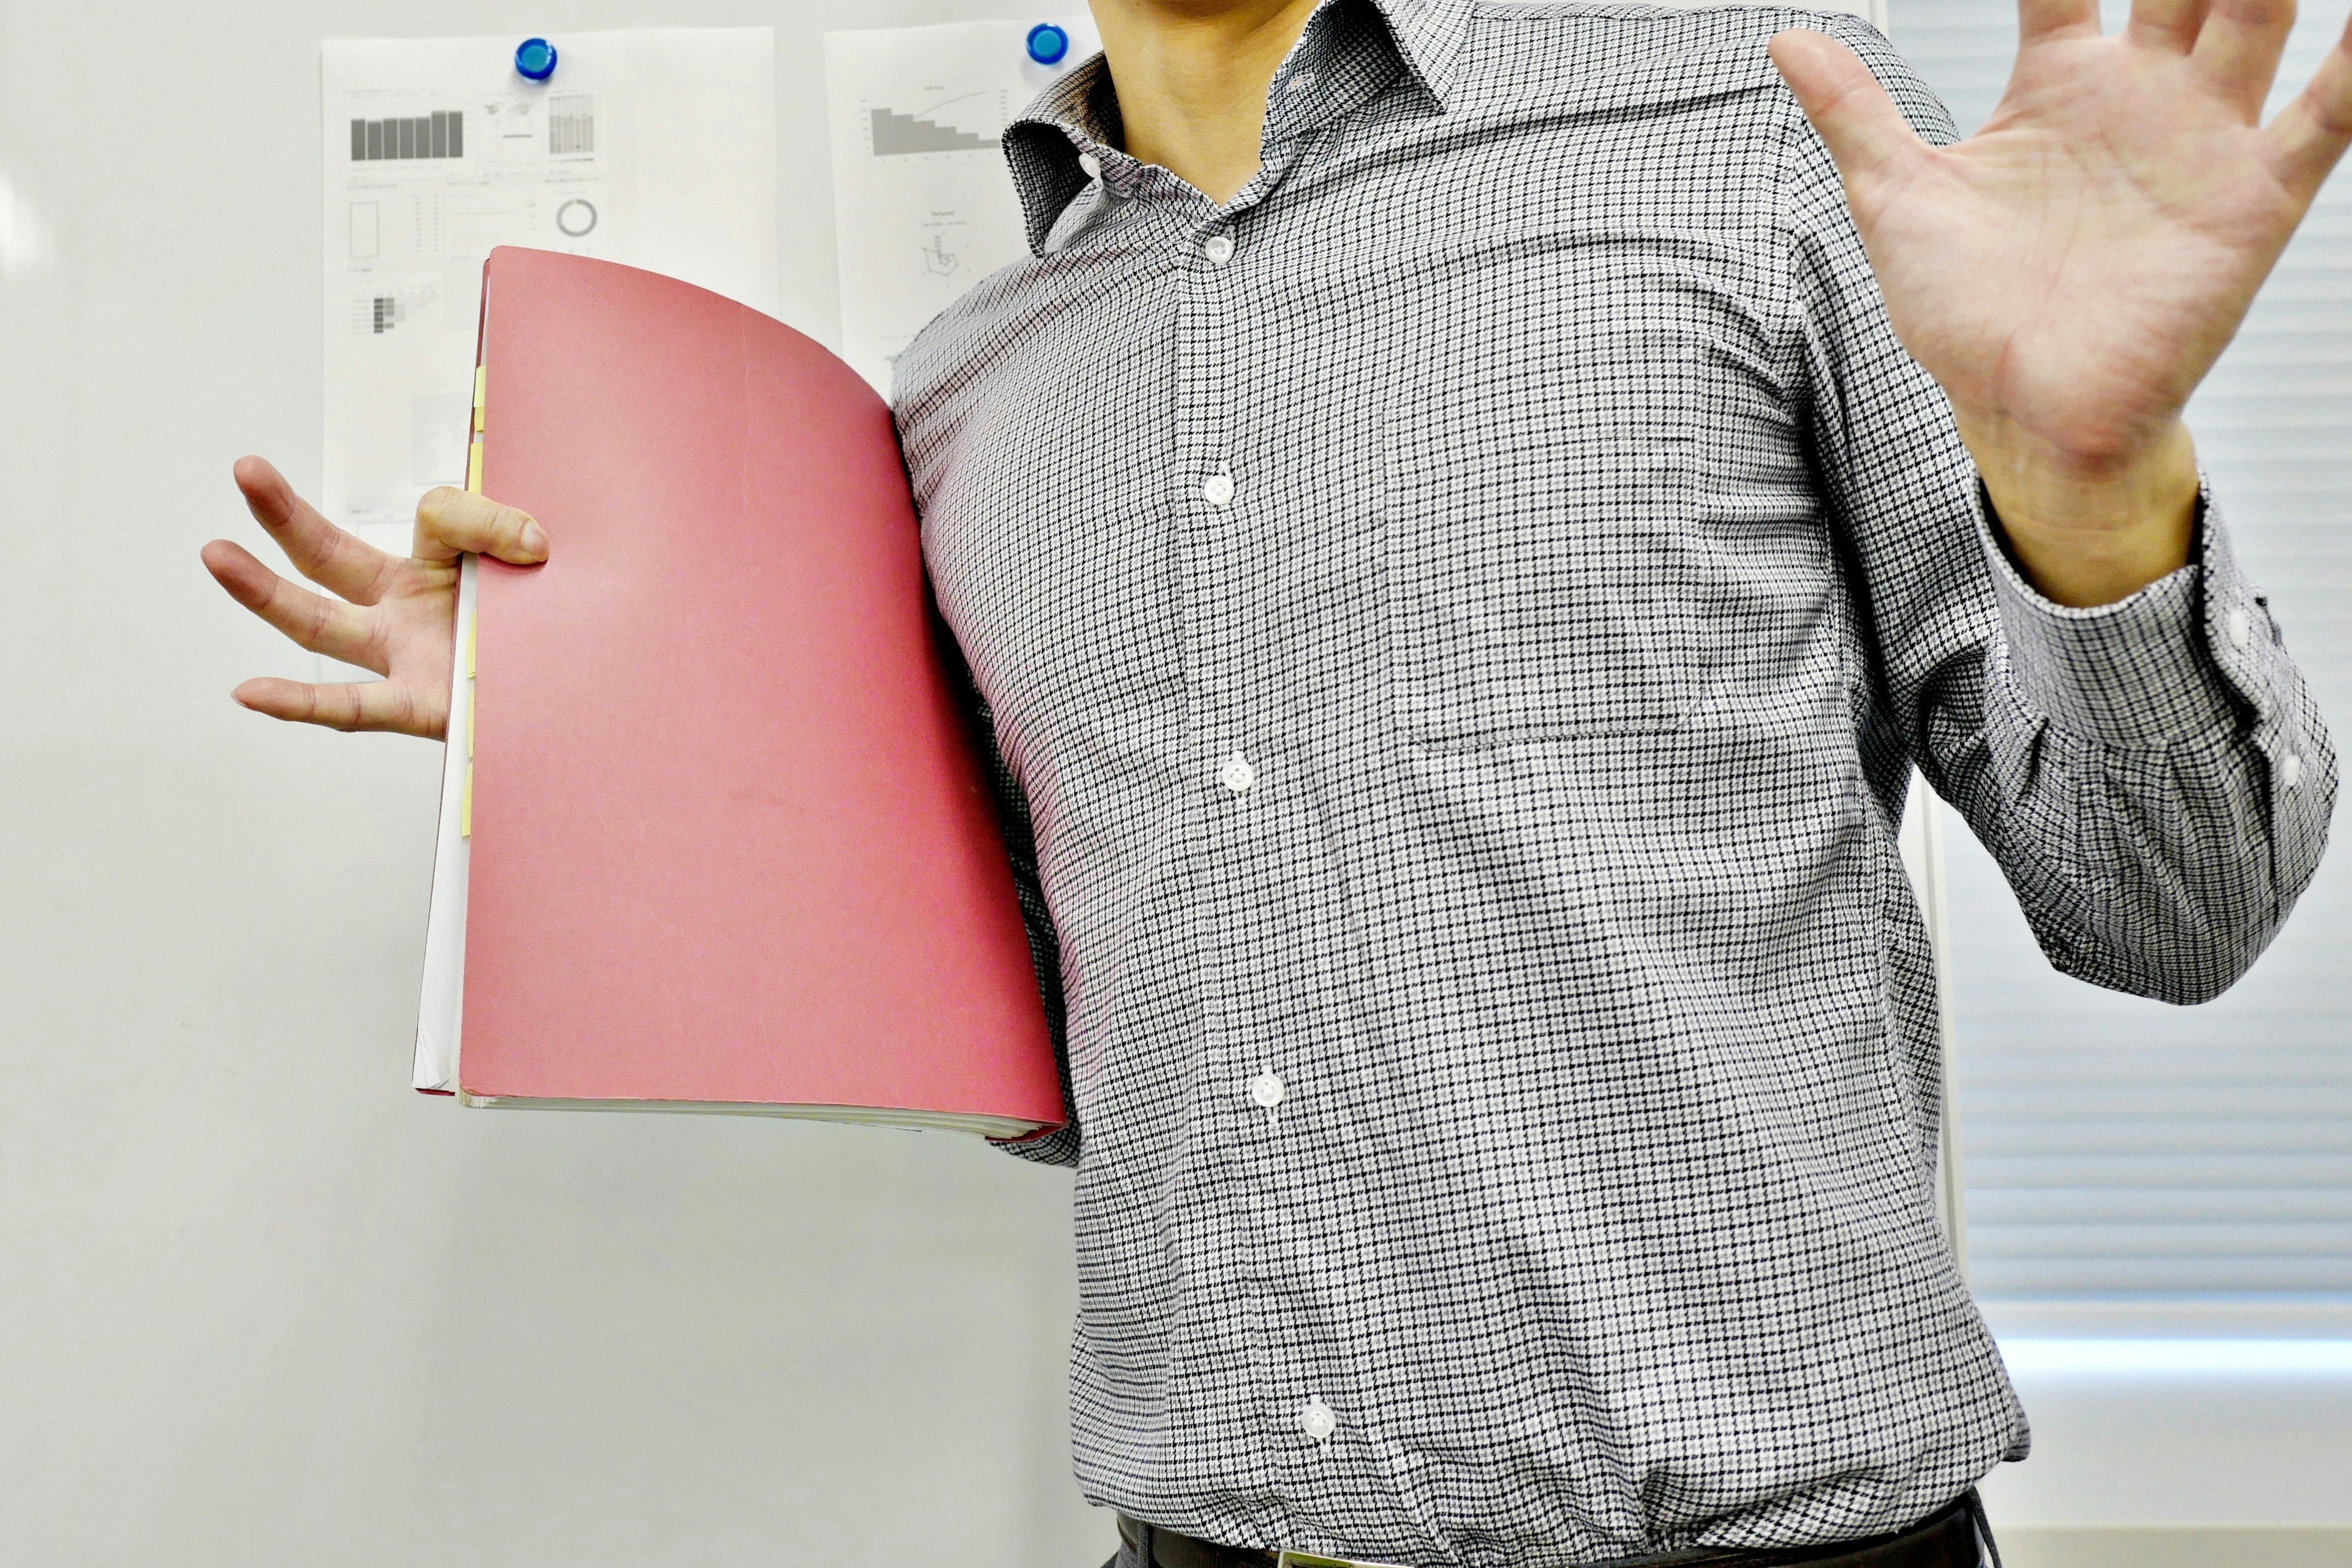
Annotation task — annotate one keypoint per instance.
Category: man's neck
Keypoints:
(1192, 78)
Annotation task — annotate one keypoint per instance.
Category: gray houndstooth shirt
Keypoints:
(1459, 618)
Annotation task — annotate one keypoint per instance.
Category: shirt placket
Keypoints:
(1262, 936)
(1230, 772)
(1249, 1214)
(1257, 814)
(1258, 940)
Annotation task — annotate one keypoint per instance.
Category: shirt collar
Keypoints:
(1430, 34)
(1079, 113)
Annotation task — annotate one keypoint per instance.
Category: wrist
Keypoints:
(2088, 529)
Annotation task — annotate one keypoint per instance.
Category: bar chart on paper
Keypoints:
(942, 128)
(440, 135)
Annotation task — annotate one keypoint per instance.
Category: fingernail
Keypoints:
(534, 541)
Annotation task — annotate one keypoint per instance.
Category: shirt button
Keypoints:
(1090, 166)
(1220, 249)
(1236, 774)
(2240, 628)
(1217, 489)
(1266, 1091)
(1314, 1419)
(2292, 774)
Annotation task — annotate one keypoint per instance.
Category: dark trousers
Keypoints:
(1954, 1536)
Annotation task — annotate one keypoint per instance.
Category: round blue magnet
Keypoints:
(535, 58)
(1048, 44)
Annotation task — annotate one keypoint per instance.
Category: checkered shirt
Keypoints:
(1457, 620)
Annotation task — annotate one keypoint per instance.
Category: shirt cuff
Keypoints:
(2186, 656)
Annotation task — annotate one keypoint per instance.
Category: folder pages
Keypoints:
(713, 833)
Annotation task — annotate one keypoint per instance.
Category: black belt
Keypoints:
(1945, 1538)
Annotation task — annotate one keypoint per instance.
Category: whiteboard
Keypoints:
(265, 1304)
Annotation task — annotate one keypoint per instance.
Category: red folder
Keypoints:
(714, 836)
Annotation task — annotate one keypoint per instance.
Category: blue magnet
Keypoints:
(535, 58)
(1048, 44)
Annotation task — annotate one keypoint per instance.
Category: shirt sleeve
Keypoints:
(1059, 1147)
(2152, 775)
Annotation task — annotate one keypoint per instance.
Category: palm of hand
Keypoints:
(2074, 270)
(408, 611)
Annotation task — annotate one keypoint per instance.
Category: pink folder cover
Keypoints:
(730, 844)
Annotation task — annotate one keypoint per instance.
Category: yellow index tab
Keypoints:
(474, 467)
(465, 806)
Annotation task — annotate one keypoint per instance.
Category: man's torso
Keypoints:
(1491, 778)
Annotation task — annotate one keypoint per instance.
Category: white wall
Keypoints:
(258, 1302)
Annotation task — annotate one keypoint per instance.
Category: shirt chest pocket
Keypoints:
(1544, 571)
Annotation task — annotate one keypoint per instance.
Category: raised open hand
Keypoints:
(2071, 272)
(401, 616)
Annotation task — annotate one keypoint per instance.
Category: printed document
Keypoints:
(654, 148)
(923, 204)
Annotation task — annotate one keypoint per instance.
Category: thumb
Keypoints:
(451, 522)
(1866, 136)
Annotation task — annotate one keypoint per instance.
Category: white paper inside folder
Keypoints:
(441, 1007)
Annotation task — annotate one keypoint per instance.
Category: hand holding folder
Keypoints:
(394, 615)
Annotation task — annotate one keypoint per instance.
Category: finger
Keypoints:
(367, 705)
(451, 523)
(1866, 134)
(2311, 133)
(319, 550)
(2237, 53)
(2166, 24)
(2038, 20)
(315, 622)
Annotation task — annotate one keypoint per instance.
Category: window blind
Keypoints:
(2121, 1154)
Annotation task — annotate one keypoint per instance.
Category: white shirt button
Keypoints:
(1090, 166)
(1236, 774)
(2291, 774)
(1219, 249)
(1217, 489)
(2240, 628)
(1266, 1091)
(1314, 1419)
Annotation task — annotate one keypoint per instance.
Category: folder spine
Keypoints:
(473, 484)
